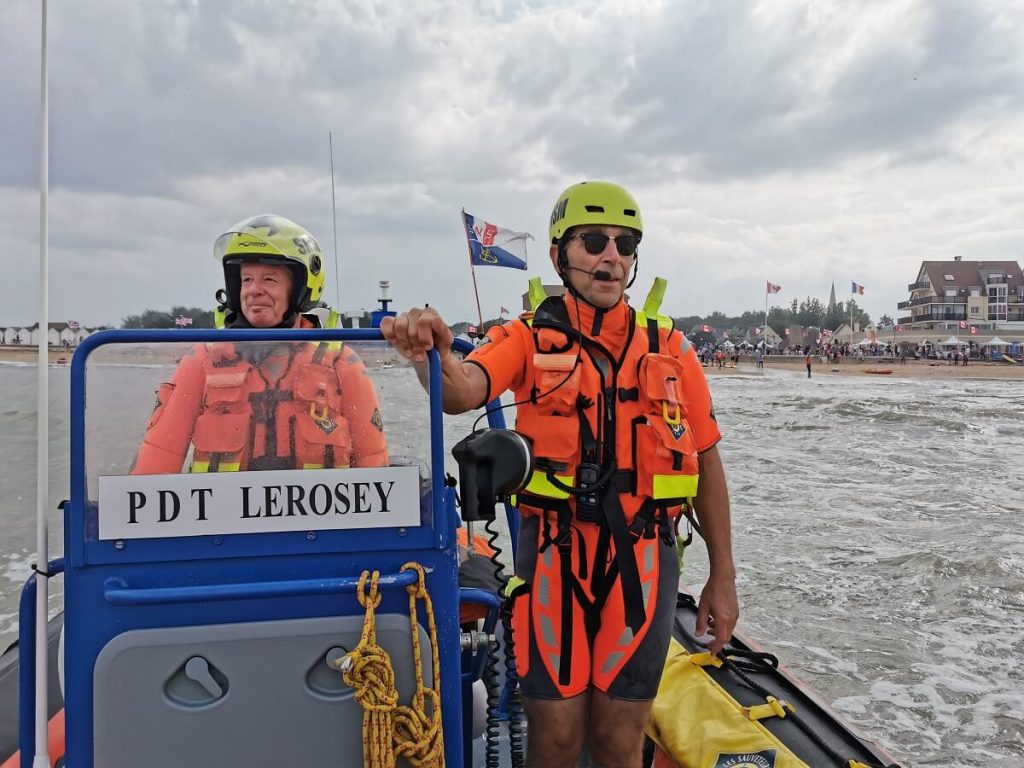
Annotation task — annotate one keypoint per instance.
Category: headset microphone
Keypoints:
(597, 274)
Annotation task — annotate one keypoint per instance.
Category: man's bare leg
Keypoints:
(616, 732)
(555, 731)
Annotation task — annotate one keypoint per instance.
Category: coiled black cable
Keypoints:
(516, 729)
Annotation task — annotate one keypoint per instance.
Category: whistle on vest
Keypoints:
(493, 464)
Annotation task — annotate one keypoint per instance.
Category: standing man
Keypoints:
(616, 405)
(808, 359)
(247, 406)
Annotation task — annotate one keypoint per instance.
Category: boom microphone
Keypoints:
(597, 274)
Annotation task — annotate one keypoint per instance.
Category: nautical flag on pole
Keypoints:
(855, 288)
(494, 246)
(963, 323)
(974, 329)
(504, 311)
(706, 328)
(181, 321)
(773, 288)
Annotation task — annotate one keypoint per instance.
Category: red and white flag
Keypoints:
(773, 288)
(900, 328)
(826, 333)
(757, 331)
(181, 321)
(974, 329)
(787, 331)
(74, 325)
(706, 328)
(963, 323)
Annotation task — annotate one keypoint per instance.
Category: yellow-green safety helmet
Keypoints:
(594, 202)
(272, 239)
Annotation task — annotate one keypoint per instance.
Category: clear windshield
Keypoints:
(177, 408)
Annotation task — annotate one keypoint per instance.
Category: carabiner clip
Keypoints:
(675, 419)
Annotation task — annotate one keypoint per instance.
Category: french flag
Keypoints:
(855, 288)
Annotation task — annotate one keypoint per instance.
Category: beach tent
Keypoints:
(953, 341)
(995, 341)
(727, 344)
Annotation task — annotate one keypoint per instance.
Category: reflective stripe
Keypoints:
(547, 634)
(655, 296)
(664, 322)
(204, 466)
(539, 485)
(610, 661)
(536, 293)
(675, 486)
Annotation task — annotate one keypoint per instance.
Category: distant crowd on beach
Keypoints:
(710, 355)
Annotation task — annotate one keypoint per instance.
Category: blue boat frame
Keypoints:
(112, 587)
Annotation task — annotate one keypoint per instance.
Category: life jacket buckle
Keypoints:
(563, 539)
(319, 411)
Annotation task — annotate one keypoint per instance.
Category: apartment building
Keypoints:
(985, 294)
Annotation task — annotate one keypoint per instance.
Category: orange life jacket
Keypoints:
(634, 405)
(249, 420)
(612, 443)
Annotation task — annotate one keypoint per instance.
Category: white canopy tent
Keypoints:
(953, 341)
(995, 341)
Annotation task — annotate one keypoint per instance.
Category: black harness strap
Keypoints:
(625, 557)
(653, 342)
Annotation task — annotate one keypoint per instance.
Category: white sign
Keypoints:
(160, 506)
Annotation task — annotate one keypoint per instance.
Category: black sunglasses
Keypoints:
(595, 243)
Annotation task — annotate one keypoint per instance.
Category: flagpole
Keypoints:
(851, 317)
(764, 333)
(42, 755)
(472, 270)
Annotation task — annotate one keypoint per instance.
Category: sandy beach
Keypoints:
(913, 369)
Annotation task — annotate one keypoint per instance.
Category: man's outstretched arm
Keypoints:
(413, 334)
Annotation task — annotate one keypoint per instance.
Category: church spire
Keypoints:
(832, 298)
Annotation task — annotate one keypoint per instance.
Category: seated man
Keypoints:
(266, 405)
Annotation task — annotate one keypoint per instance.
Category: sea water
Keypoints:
(877, 527)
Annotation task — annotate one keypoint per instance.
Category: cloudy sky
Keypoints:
(797, 142)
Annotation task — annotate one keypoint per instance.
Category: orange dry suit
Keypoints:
(612, 438)
(265, 406)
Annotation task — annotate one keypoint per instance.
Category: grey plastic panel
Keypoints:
(251, 694)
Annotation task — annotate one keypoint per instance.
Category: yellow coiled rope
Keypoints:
(418, 733)
(391, 731)
(367, 668)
